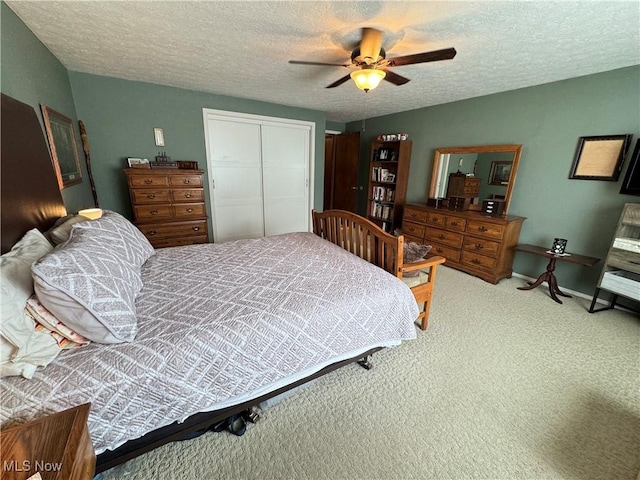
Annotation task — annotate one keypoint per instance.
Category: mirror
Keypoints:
(495, 166)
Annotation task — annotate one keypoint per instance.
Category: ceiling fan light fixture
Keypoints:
(367, 78)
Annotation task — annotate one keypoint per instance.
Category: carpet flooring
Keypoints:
(505, 384)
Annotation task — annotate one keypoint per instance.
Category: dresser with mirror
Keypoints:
(460, 221)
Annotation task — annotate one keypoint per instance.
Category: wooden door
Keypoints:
(341, 175)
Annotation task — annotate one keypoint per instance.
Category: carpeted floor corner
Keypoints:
(505, 384)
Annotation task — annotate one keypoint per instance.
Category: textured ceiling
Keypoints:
(241, 49)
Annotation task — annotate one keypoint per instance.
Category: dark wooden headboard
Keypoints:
(30, 194)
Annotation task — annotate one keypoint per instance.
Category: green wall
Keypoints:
(120, 115)
(547, 120)
(31, 74)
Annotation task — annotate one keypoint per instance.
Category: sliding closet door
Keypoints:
(285, 178)
(234, 150)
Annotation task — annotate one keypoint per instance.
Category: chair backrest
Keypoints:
(360, 237)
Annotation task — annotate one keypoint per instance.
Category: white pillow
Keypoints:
(22, 348)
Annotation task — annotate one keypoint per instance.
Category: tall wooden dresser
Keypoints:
(471, 241)
(168, 205)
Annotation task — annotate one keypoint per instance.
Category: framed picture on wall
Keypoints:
(631, 183)
(600, 157)
(63, 147)
(500, 173)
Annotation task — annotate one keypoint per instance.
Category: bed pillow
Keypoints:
(122, 237)
(61, 230)
(91, 282)
(22, 348)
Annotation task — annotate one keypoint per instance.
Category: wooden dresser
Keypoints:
(463, 186)
(57, 446)
(471, 241)
(168, 205)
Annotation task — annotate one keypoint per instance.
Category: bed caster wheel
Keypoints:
(366, 362)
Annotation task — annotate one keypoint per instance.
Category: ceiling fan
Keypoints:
(372, 65)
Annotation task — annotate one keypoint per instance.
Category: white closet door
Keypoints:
(234, 151)
(285, 171)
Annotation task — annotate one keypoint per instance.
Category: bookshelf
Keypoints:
(388, 177)
(620, 275)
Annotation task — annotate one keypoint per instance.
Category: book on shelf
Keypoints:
(382, 194)
(379, 174)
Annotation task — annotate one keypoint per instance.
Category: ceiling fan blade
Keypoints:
(302, 62)
(339, 82)
(436, 55)
(395, 78)
(370, 45)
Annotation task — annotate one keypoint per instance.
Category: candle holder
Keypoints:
(559, 244)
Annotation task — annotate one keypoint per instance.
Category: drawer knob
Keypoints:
(454, 224)
(439, 250)
(475, 260)
(441, 237)
(479, 246)
(195, 229)
(148, 181)
(153, 212)
(189, 210)
(151, 232)
(151, 195)
(482, 228)
(186, 181)
(187, 195)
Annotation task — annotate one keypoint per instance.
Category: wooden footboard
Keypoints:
(360, 237)
(365, 239)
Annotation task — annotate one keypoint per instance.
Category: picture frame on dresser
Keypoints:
(631, 182)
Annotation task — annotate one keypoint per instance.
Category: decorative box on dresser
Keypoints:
(476, 243)
(168, 205)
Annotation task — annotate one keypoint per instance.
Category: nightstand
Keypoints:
(57, 446)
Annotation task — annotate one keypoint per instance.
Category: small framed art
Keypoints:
(600, 157)
(500, 173)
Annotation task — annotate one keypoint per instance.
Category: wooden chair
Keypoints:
(368, 241)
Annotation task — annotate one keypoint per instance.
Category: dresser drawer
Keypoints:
(479, 245)
(451, 254)
(178, 229)
(188, 209)
(436, 219)
(414, 215)
(485, 229)
(413, 229)
(478, 261)
(146, 195)
(185, 180)
(456, 223)
(409, 238)
(152, 212)
(178, 242)
(148, 181)
(442, 236)
(187, 195)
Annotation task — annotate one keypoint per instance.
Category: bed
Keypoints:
(217, 328)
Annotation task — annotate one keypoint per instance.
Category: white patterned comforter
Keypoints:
(219, 324)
